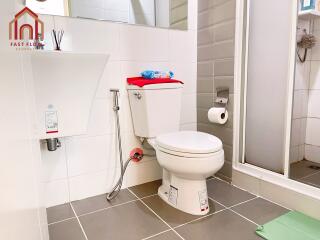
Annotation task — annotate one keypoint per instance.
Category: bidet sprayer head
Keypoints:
(115, 92)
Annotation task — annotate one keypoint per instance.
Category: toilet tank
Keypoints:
(155, 108)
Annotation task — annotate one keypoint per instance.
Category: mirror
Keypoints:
(171, 14)
(305, 138)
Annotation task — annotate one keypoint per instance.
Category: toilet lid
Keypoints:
(189, 142)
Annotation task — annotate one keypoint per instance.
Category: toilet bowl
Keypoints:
(187, 159)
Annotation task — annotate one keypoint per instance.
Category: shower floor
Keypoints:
(306, 172)
(139, 213)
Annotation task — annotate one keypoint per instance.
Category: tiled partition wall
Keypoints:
(312, 147)
(216, 30)
(88, 165)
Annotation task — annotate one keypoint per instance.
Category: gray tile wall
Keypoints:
(216, 31)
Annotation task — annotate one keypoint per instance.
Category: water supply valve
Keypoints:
(136, 154)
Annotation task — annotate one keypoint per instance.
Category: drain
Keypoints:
(314, 167)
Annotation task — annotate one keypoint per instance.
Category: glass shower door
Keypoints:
(267, 88)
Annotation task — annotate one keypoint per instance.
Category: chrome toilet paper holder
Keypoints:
(222, 98)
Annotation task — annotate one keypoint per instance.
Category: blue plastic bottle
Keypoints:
(308, 5)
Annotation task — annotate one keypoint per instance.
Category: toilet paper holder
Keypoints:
(222, 98)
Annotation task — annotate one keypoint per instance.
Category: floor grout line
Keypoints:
(229, 208)
(173, 229)
(301, 179)
(244, 217)
(256, 196)
(158, 216)
(67, 219)
(231, 184)
(278, 204)
(219, 179)
(309, 175)
(152, 195)
(310, 184)
(84, 233)
(102, 209)
(242, 189)
(211, 214)
(223, 180)
(156, 234)
(76, 216)
(107, 208)
(155, 194)
(200, 218)
(259, 196)
(204, 216)
(117, 205)
(235, 205)
(137, 199)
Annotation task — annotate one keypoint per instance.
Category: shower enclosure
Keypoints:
(276, 127)
(266, 84)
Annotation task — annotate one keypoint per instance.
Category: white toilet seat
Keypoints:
(188, 155)
(189, 144)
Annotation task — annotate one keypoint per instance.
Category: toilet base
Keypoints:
(189, 196)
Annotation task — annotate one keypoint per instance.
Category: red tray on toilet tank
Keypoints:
(140, 81)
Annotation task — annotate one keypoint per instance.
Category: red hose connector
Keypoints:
(136, 154)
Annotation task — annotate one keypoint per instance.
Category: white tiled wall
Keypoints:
(300, 105)
(88, 165)
(22, 211)
(305, 140)
(312, 148)
(21, 203)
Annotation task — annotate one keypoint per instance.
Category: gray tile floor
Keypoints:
(306, 172)
(138, 213)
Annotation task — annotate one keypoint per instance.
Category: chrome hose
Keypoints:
(116, 189)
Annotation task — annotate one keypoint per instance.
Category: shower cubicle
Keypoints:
(276, 125)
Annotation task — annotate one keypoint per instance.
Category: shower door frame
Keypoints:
(240, 78)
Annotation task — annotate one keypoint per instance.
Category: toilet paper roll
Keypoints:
(218, 115)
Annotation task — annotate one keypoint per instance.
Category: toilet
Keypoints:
(187, 157)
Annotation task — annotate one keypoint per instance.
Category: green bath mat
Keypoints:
(291, 226)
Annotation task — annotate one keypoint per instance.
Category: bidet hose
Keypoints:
(116, 189)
